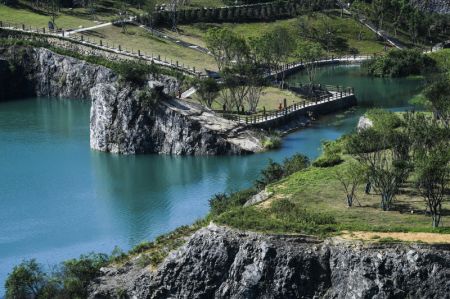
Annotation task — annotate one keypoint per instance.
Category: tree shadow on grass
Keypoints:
(92, 33)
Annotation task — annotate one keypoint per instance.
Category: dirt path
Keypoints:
(431, 238)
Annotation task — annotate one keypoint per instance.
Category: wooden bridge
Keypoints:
(338, 98)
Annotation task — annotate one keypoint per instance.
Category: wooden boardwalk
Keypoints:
(337, 99)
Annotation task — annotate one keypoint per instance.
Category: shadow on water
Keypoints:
(59, 199)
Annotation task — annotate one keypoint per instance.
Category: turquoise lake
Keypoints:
(59, 199)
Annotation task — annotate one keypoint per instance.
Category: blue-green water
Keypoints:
(59, 199)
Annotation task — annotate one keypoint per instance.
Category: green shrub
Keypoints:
(222, 202)
(295, 163)
(401, 63)
(282, 216)
(76, 274)
(26, 280)
(272, 142)
(383, 119)
(272, 173)
(328, 161)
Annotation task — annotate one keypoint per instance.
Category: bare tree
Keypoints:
(351, 176)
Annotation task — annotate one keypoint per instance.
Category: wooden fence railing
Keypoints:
(102, 45)
(336, 93)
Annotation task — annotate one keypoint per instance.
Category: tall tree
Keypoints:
(350, 177)
(438, 95)
(309, 53)
(433, 176)
(208, 89)
(225, 46)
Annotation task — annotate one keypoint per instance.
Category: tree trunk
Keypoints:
(349, 200)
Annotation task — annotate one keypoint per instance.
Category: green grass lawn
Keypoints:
(29, 18)
(318, 206)
(346, 27)
(137, 38)
(271, 97)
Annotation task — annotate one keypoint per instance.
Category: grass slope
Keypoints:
(316, 192)
(139, 39)
(346, 28)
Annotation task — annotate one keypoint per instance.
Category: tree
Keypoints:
(273, 48)
(236, 81)
(52, 10)
(76, 274)
(373, 149)
(273, 172)
(379, 8)
(438, 95)
(27, 280)
(433, 175)
(225, 46)
(208, 89)
(309, 53)
(295, 163)
(255, 81)
(350, 177)
(149, 7)
(173, 9)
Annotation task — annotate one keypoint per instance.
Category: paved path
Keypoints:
(175, 40)
(393, 41)
(67, 33)
(298, 65)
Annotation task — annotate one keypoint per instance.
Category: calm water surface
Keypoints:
(59, 199)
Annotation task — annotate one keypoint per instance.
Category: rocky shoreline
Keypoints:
(121, 121)
(219, 262)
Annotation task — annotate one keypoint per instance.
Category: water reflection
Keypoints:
(59, 199)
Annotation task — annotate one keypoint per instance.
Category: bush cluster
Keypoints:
(331, 155)
(283, 215)
(400, 63)
(222, 202)
(255, 11)
(70, 280)
(276, 171)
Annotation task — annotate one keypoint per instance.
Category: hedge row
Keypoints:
(255, 12)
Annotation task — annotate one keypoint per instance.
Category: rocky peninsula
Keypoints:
(121, 120)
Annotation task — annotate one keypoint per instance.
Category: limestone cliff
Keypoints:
(218, 262)
(122, 120)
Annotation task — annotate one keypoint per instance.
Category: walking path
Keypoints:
(175, 40)
(67, 33)
(336, 95)
(393, 41)
(21, 29)
(291, 67)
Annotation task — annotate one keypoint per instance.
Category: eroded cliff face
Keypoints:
(219, 262)
(121, 121)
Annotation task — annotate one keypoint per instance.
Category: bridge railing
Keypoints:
(337, 94)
